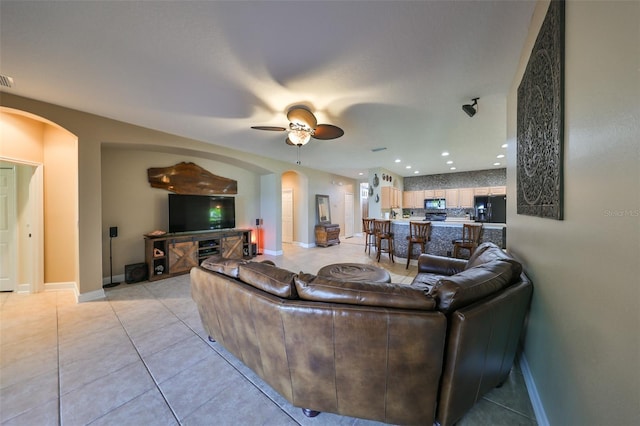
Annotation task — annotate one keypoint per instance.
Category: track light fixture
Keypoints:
(471, 109)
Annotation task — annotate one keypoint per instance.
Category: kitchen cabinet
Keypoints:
(428, 193)
(498, 190)
(390, 198)
(459, 198)
(413, 199)
(451, 196)
(490, 190)
(465, 198)
(439, 193)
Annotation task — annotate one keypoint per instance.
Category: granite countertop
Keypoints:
(450, 222)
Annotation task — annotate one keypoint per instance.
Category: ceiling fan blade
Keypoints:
(302, 116)
(327, 131)
(270, 128)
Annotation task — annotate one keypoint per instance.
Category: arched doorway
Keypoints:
(45, 159)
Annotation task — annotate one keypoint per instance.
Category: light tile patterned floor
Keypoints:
(141, 357)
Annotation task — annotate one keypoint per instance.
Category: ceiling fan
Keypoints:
(303, 126)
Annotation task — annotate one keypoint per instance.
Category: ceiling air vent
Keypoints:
(6, 81)
(378, 149)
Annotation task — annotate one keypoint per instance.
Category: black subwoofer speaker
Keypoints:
(135, 273)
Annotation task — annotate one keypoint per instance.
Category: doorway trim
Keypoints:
(35, 282)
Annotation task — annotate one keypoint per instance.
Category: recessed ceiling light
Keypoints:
(397, 160)
(504, 145)
(500, 156)
(416, 172)
(444, 154)
(496, 164)
(450, 162)
(452, 168)
(360, 174)
(408, 167)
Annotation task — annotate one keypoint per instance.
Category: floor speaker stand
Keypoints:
(111, 283)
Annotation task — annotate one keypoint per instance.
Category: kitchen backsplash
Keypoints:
(491, 177)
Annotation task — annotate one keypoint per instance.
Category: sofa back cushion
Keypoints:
(269, 278)
(228, 267)
(473, 284)
(320, 289)
(487, 252)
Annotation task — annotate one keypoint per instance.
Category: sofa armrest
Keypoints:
(440, 265)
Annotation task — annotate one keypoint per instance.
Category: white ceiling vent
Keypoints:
(6, 81)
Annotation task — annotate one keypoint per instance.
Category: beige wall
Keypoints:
(21, 137)
(94, 132)
(60, 206)
(130, 203)
(582, 341)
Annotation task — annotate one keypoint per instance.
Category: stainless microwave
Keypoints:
(435, 204)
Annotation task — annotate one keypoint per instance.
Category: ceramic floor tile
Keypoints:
(177, 357)
(108, 359)
(161, 338)
(93, 345)
(18, 349)
(190, 389)
(487, 413)
(28, 367)
(513, 394)
(28, 394)
(45, 414)
(246, 405)
(95, 399)
(149, 408)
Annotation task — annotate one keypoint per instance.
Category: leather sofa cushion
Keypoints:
(487, 252)
(228, 267)
(426, 280)
(269, 278)
(319, 289)
(473, 284)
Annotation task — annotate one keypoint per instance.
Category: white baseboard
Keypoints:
(23, 288)
(90, 296)
(60, 286)
(538, 409)
(273, 252)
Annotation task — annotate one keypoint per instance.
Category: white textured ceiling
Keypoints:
(392, 74)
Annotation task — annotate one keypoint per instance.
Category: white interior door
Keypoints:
(287, 215)
(348, 215)
(7, 228)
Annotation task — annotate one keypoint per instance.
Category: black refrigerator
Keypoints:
(492, 208)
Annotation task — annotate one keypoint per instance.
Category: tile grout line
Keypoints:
(145, 367)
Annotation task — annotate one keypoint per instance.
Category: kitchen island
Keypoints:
(442, 235)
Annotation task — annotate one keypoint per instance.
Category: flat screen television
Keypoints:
(190, 213)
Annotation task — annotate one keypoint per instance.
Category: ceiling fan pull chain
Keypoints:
(298, 161)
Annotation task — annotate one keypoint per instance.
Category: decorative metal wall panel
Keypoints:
(541, 123)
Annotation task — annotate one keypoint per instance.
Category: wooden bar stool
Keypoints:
(369, 234)
(470, 239)
(382, 229)
(418, 234)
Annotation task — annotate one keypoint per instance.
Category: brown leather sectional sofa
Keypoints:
(402, 354)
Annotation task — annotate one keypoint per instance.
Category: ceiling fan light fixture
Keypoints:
(299, 136)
